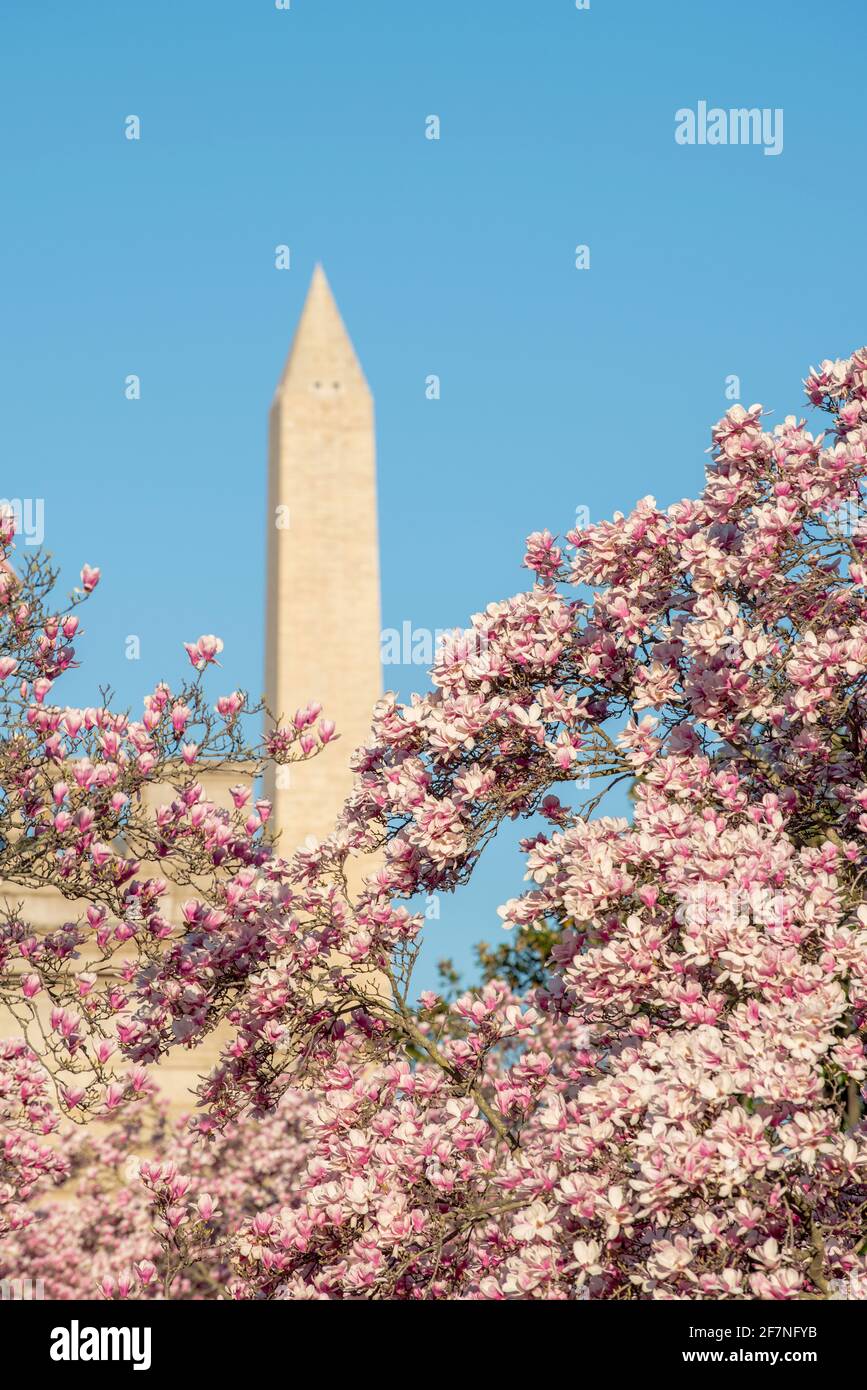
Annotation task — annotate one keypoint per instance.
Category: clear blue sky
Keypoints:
(560, 388)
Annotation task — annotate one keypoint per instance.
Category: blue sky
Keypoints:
(560, 388)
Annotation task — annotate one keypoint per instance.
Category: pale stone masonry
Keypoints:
(322, 630)
(323, 619)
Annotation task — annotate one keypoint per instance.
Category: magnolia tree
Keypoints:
(148, 1208)
(89, 798)
(655, 1092)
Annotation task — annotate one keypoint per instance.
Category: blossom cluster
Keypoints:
(673, 1107)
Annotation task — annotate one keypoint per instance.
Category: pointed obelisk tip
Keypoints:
(318, 280)
(321, 345)
(319, 291)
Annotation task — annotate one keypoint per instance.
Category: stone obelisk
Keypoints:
(322, 631)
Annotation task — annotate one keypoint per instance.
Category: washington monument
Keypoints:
(322, 628)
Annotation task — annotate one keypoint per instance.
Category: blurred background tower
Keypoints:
(322, 632)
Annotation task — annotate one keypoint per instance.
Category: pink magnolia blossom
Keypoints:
(204, 651)
(656, 1088)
